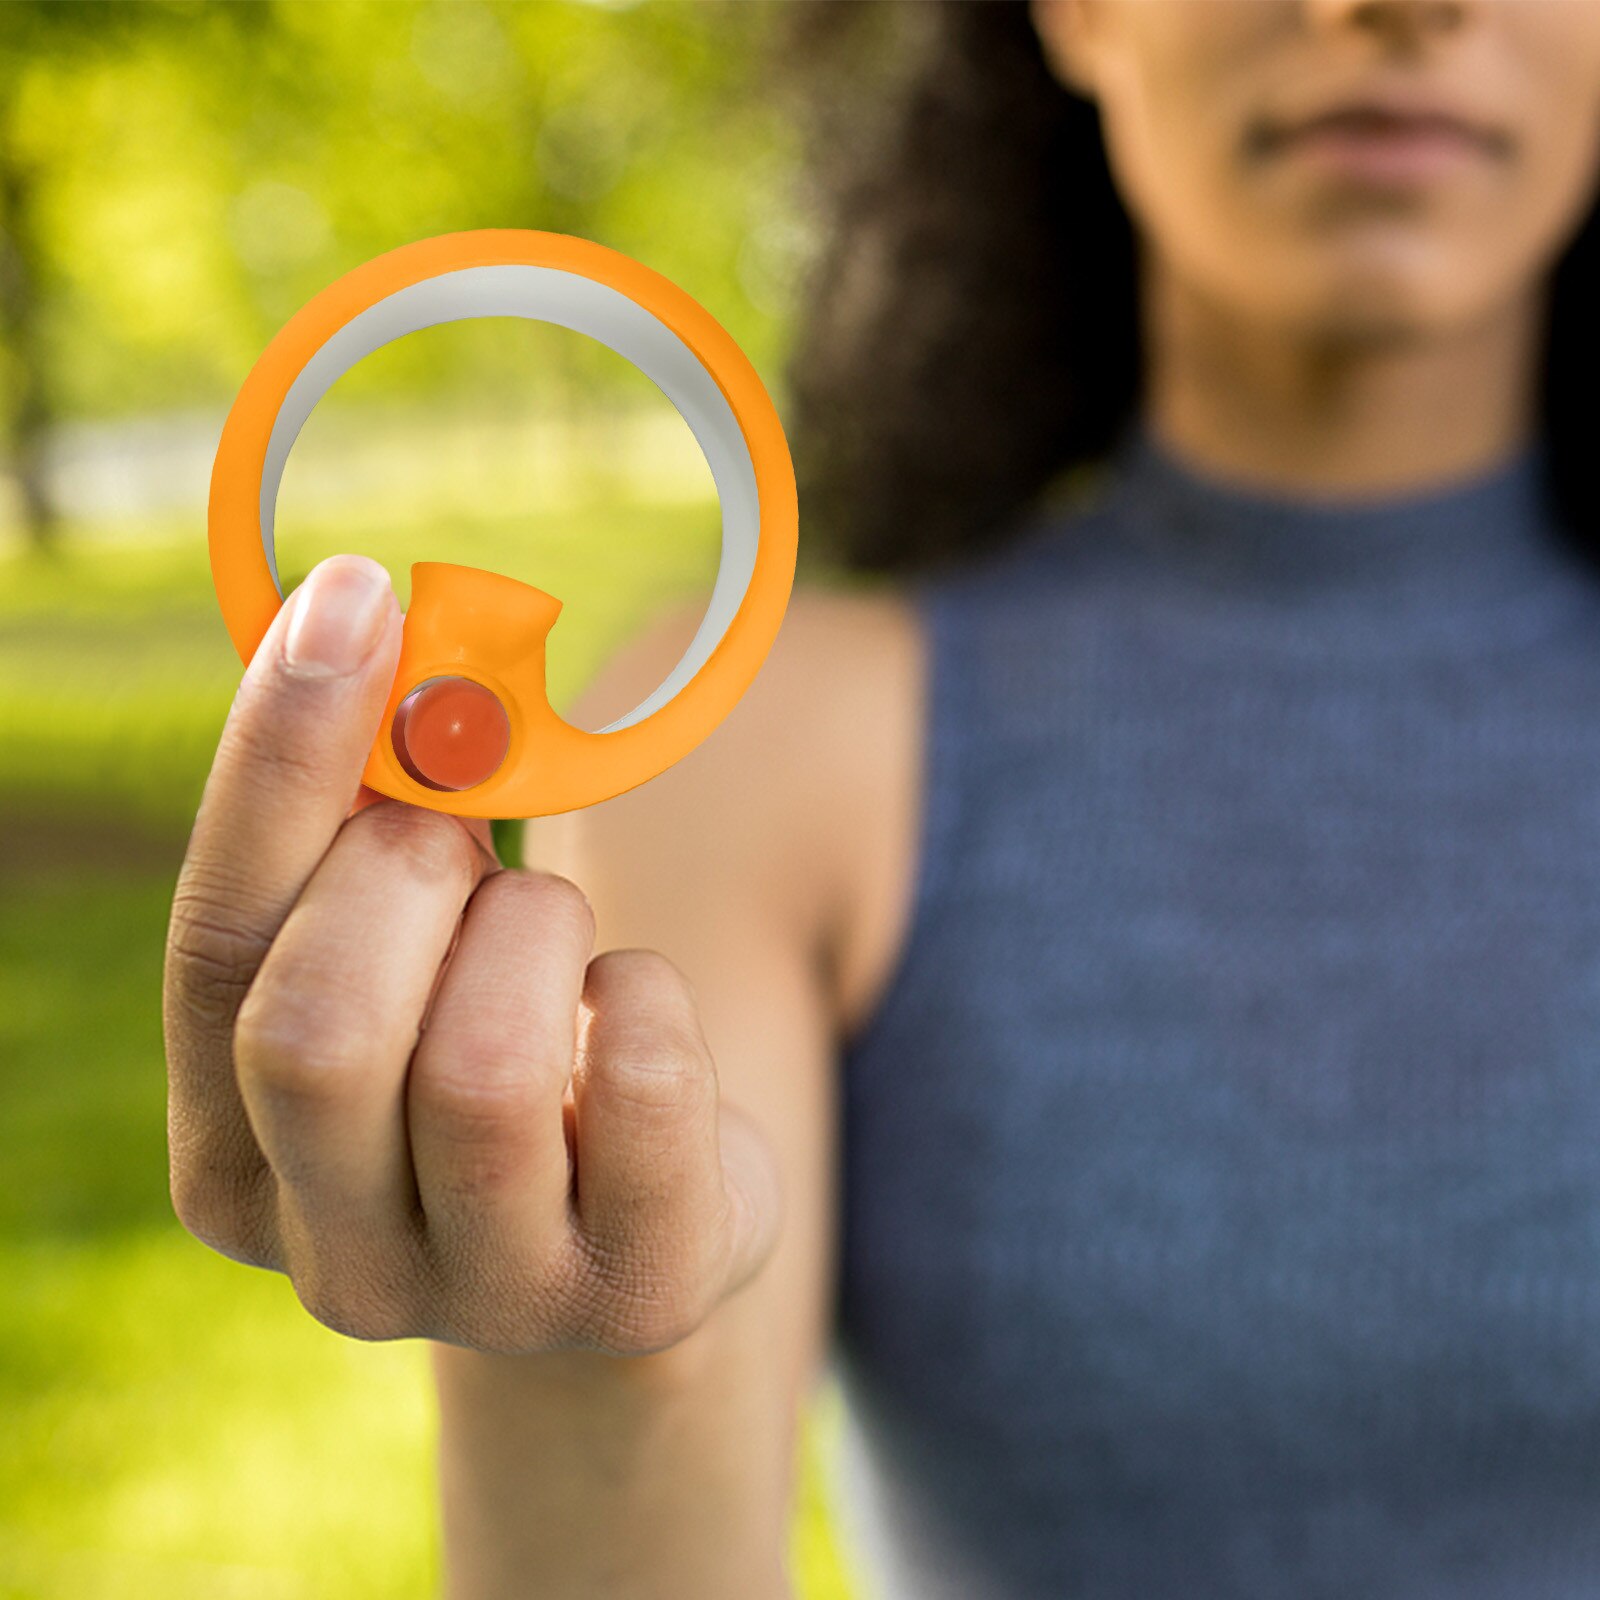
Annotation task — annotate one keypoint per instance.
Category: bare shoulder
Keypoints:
(799, 810)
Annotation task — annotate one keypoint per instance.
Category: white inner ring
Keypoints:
(548, 294)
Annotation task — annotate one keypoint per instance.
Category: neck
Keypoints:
(1472, 565)
(1374, 408)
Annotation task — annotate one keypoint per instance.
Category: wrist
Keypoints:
(585, 1375)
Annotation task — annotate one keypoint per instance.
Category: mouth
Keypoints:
(1381, 143)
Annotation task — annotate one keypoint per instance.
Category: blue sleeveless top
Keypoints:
(1221, 1166)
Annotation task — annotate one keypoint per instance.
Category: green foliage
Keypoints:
(206, 169)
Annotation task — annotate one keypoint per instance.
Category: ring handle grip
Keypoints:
(467, 623)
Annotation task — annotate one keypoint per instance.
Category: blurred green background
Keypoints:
(175, 181)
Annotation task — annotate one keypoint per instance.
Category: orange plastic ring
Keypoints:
(489, 629)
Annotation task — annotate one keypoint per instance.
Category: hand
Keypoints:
(396, 1074)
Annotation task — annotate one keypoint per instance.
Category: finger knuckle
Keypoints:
(649, 973)
(294, 1052)
(224, 1216)
(195, 1206)
(429, 845)
(649, 1049)
(477, 1091)
(636, 1302)
(211, 958)
(355, 1311)
(498, 1308)
(556, 905)
(565, 899)
(650, 1071)
(645, 1087)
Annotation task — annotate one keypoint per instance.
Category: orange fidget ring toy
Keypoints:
(468, 727)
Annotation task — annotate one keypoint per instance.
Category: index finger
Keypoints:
(480, 828)
(287, 770)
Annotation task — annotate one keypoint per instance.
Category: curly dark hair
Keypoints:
(968, 342)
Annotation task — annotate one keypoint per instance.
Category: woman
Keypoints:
(1130, 987)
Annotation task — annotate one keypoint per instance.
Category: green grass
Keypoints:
(173, 1424)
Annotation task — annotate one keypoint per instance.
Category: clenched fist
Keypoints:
(395, 1072)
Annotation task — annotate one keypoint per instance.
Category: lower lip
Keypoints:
(1406, 157)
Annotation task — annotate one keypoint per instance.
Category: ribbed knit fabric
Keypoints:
(1222, 1163)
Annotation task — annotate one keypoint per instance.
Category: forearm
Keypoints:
(588, 1477)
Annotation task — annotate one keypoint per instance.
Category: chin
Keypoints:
(1378, 299)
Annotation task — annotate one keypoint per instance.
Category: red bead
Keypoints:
(451, 733)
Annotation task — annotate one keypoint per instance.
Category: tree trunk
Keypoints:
(30, 411)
